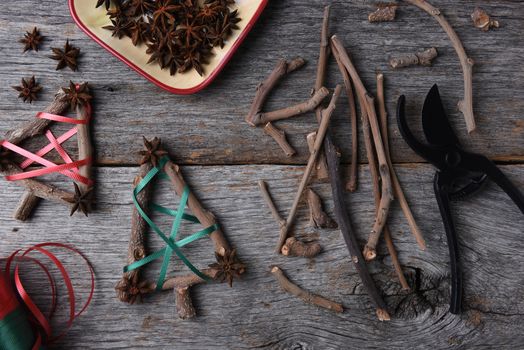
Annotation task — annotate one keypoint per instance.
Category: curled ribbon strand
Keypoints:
(172, 245)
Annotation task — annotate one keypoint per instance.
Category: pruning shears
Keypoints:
(459, 174)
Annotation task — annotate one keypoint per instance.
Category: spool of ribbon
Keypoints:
(23, 325)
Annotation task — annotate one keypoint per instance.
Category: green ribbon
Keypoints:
(172, 245)
(16, 332)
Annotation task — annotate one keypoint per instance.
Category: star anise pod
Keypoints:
(28, 90)
(130, 293)
(228, 267)
(107, 3)
(81, 201)
(5, 160)
(190, 31)
(220, 2)
(218, 35)
(139, 7)
(138, 31)
(153, 152)
(164, 13)
(208, 13)
(157, 49)
(194, 58)
(120, 27)
(77, 95)
(231, 20)
(67, 57)
(32, 40)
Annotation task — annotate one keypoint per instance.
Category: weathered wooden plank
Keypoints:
(208, 128)
(255, 313)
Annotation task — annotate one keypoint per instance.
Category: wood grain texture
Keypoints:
(127, 105)
(206, 132)
(255, 312)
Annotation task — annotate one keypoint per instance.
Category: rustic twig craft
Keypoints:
(76, 97)
(156, 163)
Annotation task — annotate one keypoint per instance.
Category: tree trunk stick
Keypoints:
(280, 137)
(326, 117)
(267, 198)
(25, 206)
(323, 56)
(351, 185)
(317, 217)
(282, 68)
(291, 111)
(205, 217)
(294, 247)
(423, 58)
(34, 127)
(321, 172)
(397, 188)
(302, 294)
(465, 105)
(136, 248)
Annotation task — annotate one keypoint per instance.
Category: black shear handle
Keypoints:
(482, 164)
(441, 185)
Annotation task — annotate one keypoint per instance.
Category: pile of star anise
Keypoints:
(179, 34)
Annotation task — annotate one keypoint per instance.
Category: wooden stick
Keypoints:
(326, 117)
(423, 58)
(205, 217)
(466, 104)
(351, 185)
(397, 188)
(267, 198)
(385, 12)
(128, 286)
(280, 137)
(317, 217)
(321, 172)
(394, 259)
(294, 247)
(482, 20)
(34, 127)
(302, 294)
(367, 102)
(184, 303)
(85, 146)
(282, 68)
(291, 111)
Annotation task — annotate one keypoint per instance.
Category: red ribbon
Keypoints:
(9, 300)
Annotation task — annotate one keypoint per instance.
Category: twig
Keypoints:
(184, 303)
(367, 102)
(321, 172)
(422, 58)
(326, 117)
(36, 126)
(351, 185)
(465, 105)
(317, 216)
(291, 111)
(267, 198)
(128, 286)
(385, 12)
(482, 20)
(282, 68)
(85, 146)
(394, 259)
(397, 188)
(280, 137)
(302, 294)
(205, 217)
(294, 247)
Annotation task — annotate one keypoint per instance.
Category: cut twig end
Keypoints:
(482, 20)
(369, 253)
(385, 12)
(383, 315)
(294, 247)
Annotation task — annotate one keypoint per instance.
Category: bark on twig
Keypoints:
(267, 198)
(183, 303)
(397, 188)
(280, 137)
(294, 247)
(317, 216)
(321, 172)
(291, 111)
(302, 294)
(466, 104)
(482, 20)
(25, 206)
(351, 185)
(385, 12)
(423, 58)
(129, 284)
(394, 259)
(85, 146)
(282, 68)
(205, 217)
(324, 123)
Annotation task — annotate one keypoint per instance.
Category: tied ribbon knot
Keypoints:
(69, 169)
(172, 244)
(26, 327)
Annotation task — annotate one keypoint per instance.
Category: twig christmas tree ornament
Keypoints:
(76, 97)
(155, 163)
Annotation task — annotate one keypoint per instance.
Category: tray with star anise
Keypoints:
(179, 45)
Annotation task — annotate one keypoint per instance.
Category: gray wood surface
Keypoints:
(223, 158)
